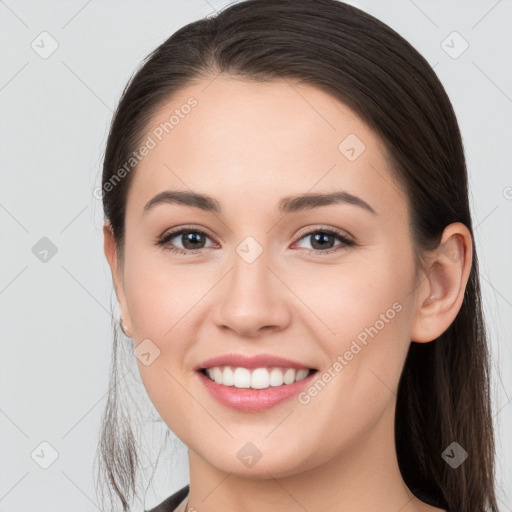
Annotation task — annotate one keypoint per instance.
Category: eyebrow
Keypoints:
(288, 204)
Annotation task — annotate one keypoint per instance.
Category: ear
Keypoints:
(442, 288)
(110, 250)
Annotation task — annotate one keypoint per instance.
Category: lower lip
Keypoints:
(253, 400)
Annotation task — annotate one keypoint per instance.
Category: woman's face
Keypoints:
(266, 278)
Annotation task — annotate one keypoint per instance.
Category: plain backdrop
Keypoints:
(57, 99)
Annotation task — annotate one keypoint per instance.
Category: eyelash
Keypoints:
(169, 236)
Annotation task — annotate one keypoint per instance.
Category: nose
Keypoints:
(251, 299)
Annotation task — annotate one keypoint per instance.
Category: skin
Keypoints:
(248, 145)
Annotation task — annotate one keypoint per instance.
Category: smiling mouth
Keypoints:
(256, 378)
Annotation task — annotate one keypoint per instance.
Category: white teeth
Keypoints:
(276, 377)
(258, 378)
(217, 375)
(301, 374)
(289, 376)
(242, 378)
(228, 377)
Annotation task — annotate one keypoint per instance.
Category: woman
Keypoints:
(291, 245)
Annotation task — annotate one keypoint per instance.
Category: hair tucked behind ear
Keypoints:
(444, 390)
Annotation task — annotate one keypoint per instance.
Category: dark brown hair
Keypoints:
(444, 389)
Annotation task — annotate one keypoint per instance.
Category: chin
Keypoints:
(248, 461)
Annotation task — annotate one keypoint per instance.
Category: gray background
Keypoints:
(56, 326)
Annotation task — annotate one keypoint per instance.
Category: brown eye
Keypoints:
(322, 241)
(191, 239)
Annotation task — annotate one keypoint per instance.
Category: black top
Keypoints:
(175, 499)
(171, 502)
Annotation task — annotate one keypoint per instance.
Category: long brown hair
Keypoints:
(444, 390)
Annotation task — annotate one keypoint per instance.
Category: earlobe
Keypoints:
(444, 284)
(124, 328)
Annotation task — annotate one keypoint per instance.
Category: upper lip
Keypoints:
(257, 361)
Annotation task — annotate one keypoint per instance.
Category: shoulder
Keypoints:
(171, 502)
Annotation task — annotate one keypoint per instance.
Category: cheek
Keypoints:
(164, 301)
(161, 295)
(365, 310)
(344, 300)
(365, 360)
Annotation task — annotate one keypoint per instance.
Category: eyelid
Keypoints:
(346, 239)
(309, 230)
(176, 231)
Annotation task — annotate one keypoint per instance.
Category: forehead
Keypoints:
(239, 141)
